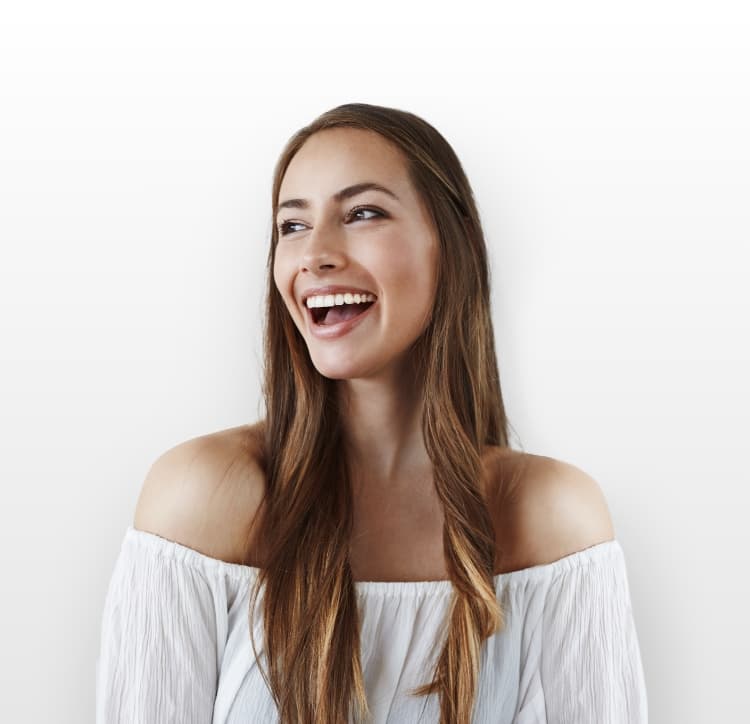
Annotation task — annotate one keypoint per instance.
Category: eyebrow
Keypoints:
(345, 193)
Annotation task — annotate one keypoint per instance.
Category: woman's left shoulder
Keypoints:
(547, 509)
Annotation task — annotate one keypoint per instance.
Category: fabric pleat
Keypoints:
(175, 643)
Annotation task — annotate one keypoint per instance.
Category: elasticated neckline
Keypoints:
(597, 553)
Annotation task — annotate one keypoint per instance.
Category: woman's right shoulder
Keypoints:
(205, 493)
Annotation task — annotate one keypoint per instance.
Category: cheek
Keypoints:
(283, 282)
(281, 275)
(278, 265)
(408, 280)
(415, 257)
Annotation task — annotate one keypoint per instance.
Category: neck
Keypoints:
(382, 422)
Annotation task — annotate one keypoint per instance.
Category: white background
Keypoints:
(608, 147)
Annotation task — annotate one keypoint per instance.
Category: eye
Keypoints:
(360, 209)
(284, 226)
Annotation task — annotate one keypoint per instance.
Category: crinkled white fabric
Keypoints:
(175, 643)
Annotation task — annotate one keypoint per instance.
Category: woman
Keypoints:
(372, 550)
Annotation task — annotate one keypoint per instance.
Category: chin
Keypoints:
(339, 369)
(338, 373)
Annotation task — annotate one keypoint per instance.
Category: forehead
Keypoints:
(337, 157)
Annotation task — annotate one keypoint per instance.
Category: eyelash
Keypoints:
(283, 226)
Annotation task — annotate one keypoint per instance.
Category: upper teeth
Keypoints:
(331, 300)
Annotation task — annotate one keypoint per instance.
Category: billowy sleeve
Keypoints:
(160, 646)
(590, 666)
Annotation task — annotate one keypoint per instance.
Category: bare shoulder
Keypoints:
(553, 509)
(205, 492)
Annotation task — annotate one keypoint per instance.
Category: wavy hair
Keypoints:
(310, 606)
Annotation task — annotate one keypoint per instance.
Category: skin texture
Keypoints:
(205, 493)
(395, 258)
(396, 510)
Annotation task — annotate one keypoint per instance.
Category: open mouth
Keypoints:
(326, 316)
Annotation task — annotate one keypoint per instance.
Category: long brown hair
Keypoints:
(310, 608)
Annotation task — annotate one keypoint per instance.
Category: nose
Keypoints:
(322, 249)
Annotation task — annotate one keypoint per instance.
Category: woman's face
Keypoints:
(370, 241)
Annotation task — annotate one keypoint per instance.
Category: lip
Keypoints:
(333, 331)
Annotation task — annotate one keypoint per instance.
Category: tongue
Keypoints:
(343, 312)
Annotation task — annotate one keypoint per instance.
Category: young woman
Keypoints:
(373, 549)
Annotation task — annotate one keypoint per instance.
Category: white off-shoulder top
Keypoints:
(175, 643)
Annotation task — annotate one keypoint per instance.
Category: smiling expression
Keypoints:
(336, 227)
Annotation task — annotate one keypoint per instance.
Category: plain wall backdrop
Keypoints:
(608, 148)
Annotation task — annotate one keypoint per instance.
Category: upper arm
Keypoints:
(204, 494)
(560, 510)
(160, 637)
(590, 668)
